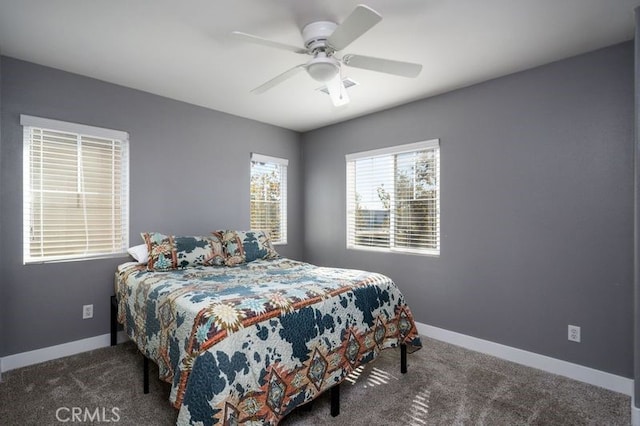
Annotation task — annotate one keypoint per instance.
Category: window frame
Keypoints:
(350, 159)
(283, 165)
(80, 131)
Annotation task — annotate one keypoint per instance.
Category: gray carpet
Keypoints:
(446, 385)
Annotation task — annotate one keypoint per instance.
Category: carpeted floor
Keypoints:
(445, 385)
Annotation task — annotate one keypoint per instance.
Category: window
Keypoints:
(269, 196)
(76, 191)
(393, 199)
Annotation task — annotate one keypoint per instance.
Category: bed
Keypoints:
(248, 343)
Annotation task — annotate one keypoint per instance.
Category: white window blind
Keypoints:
(269, 196)
(393, 199)
(76, 191)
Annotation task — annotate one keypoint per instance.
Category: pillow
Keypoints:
(167, 252)
(233, 251)
(161, 251)
(139, 253)
(245, 246)
(200, 250)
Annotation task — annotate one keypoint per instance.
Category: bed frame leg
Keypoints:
(403, 358)
(114, 321)
(335, 400)
(145, 373)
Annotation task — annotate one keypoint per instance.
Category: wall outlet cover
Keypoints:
(574, 333)
(87, 311)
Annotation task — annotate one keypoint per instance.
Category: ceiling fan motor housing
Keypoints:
(315, 34)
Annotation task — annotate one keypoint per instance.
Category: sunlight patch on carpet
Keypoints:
(419, 409)
(375, 377)
(354, 375)
(379, 377)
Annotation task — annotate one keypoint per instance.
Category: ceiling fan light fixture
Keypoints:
(323, 68)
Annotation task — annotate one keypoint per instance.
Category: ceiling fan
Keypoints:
(322, 40)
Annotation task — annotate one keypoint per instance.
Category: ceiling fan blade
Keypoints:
(359, 22)
(337, 91)
(278, 79)
(264, 42)
(404, 69)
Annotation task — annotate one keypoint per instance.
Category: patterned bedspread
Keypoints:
(248, 344)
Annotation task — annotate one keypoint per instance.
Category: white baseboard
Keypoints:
(37, 356)
(563, 368)
(635, 414)
(530, 359)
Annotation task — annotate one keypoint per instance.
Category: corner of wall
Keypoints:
(303, 205)
(2, 290)
(635, 411)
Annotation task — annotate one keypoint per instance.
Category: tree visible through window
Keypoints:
(269, 196)
(393, 200)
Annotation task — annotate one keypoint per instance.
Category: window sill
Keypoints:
(395, 251)
(76, 259)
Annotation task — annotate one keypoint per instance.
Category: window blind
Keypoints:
(75, 191)
(268, 208)
(393, 198)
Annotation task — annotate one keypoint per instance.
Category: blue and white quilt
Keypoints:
(248, 344)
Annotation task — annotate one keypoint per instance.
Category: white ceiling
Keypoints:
(182, 49)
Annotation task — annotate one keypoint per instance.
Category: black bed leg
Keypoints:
(114, 321)
(146, 374)
(335, 400)
(403, 358)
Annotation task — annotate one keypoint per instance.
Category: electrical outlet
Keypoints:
(87, 311)
(574, 333)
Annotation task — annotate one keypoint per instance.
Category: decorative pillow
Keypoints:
(233, 251)
(139, 253)
(245, 246)
(168, 252)
(161, 251)
(205, 251)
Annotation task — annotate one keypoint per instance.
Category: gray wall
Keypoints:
(2, 296)
(636, 256)
(189, 175)
(536, 207)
